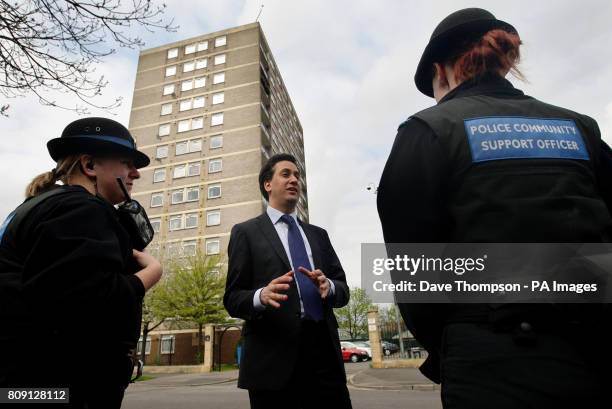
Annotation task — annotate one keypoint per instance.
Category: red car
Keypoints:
(354, 354)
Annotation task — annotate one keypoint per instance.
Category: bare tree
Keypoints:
(53, 45)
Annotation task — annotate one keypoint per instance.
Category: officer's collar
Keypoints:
(486, 84)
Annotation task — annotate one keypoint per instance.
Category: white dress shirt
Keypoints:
(282, 229)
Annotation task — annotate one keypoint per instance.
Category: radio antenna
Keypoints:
(259, 14)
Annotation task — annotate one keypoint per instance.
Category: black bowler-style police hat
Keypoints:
(96, 136)
(458, 27)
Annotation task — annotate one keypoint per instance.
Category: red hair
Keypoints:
(496, 51)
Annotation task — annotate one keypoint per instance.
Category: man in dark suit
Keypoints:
(284, 279)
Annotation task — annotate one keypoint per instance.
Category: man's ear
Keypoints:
(268, 186)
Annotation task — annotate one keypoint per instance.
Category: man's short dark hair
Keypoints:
(267, 171)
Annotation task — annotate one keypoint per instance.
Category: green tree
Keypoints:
(192, 291)
(388, 314)
(353, 317)
(149, 320)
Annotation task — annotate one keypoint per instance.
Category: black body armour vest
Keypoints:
(520, 171)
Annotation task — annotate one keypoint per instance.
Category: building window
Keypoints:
(159, 175)
(167, 344)
(193, 169)
(219, 59)
(181, 148)
(216, 119)
(219, 78)
(177, 196)
(179, 171)
(198, 102)
(170, 71)
(200, 82)
(168, 89)
(201, 63)
(185, 105)
(164, 130)
(216, 141)
(173, 249)
(214, 191)
(203, 46)
(157, 199)
(215, 165)
(220, 41)
(176, 223)
(188, 66)
(197, 123)
(189, 248)
(172, 53)
(195, 145)
(213, 218)
(166, 109)
(213, 246)
(186, 85)
(218, 98)
(193, 194)
(162, 152)
(147, 346)
(190, 49)
(156, 224)
(191, 220)
(183, 125)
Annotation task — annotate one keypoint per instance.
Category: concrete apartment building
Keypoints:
(209, 111)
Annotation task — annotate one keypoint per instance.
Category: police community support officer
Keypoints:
(71, 287)
(541, 175)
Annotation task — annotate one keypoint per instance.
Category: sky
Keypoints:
(348, 67)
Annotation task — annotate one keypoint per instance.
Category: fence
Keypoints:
(398, 342)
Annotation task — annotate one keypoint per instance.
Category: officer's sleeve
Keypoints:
(411, 192)
(411, 207)
(74, 273)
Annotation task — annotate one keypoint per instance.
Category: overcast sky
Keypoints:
(348, 67)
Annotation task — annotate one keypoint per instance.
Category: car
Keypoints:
(389, 348)
(353, 344)
(353, 354)
(365, 345)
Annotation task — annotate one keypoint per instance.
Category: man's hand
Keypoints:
(272, 293)
(319, 280)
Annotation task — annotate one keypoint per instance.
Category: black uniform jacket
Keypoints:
(68, 295)
(432, 190)
(256, 257)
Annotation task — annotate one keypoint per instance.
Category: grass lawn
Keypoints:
(228, 367)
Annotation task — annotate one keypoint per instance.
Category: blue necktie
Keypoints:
(311, 299)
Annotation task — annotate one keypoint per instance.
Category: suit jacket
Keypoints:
(270, 337)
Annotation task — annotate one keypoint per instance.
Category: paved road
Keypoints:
(190, 392)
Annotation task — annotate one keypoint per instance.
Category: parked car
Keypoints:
(353, 354)
(365, 345)
(389, 348)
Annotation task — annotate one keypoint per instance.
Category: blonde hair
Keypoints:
(66, 167)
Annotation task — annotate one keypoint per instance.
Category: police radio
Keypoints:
(134, 219)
